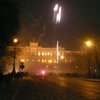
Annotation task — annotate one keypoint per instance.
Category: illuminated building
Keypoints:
(37, 58)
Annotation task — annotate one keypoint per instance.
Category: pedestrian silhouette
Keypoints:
(22, 66)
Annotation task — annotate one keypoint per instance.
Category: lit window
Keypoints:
(46, 66)
(54, 61)
(45, 54)
(50, 61)
(51, 54)
(38, 60)
(42, 53)
(42, 60)
(48, 53)
(39, 53)
(66, 61)
(22, 60)
(45, 60)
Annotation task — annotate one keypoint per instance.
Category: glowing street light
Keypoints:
(62, 57)
(43, 72)
(88, 43)
(15, 42)
(94, 44)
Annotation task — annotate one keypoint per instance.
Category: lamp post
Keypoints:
(14, 55)
(89, 44)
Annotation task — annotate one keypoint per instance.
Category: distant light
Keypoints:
(17, 70)
(43, 72)
(38, 60)
(42, 53)
(42, 60)
(51, 54)
(62, 57)
(48, 53)
(47, 66)
(76, 67)
(33, 60)
(50, 61)
(39, 53)
(15, 40)
(95, 70)
(88, 43)
(22, 60)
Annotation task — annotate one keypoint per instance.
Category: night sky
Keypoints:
(80, 19)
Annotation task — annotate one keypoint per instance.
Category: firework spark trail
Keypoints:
(57, 13)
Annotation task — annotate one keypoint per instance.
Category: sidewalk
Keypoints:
(93, 80)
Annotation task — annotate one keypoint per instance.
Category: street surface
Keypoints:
(51, 88)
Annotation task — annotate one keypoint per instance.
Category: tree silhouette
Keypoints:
(9, 23)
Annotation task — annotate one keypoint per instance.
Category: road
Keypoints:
(51, 88)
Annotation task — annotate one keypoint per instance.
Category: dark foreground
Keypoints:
(50, 88)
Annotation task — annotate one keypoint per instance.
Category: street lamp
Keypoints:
(89, 44)
(15, 42)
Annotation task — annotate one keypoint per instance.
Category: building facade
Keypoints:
(55, 59)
